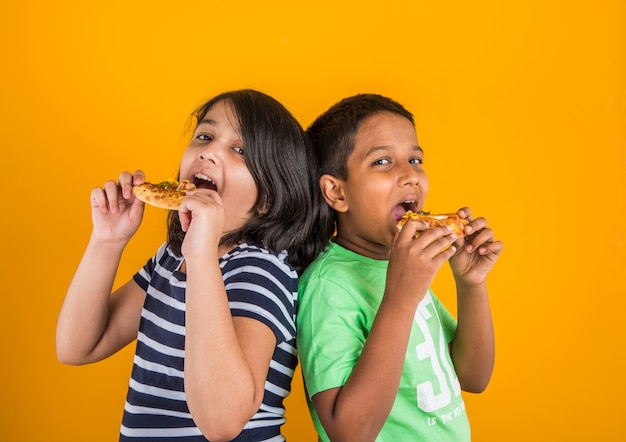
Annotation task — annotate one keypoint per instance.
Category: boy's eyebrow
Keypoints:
(376, 149)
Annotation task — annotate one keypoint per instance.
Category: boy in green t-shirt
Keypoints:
(382, 358)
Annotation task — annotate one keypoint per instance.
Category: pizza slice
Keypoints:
(165, 195)
(444, 219)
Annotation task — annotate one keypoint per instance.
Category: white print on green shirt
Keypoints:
(444, 375)
(447, 417)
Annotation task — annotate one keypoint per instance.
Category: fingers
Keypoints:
(184, 215)
(481, 238)
(127, 181)
(444, 246)
(488, 248)
(139, 177)
(478, 236)
(99, 200)
(411, 228)
(437, 238)
(201, 204)
(465, 213)
(438, 241)
(108, 197)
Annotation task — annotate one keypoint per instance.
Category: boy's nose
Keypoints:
(410, 177)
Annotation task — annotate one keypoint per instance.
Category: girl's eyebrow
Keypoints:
(208, 121)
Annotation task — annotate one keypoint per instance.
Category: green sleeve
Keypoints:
(330, 334)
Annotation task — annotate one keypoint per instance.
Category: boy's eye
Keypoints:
(416, 161)
(381, 161)
(204, 137)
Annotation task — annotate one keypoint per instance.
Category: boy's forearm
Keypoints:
(363, 404)
(473, 347)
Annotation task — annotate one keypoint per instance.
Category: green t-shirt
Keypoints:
(339, 295)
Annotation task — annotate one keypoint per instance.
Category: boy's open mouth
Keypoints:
(401, 209)
(202, 181)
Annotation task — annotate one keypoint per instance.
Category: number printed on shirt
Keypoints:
(433, 397)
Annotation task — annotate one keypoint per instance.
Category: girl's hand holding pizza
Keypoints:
(477, 252)
(116, 213)
(201, 215)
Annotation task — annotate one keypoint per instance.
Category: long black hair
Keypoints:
(294, 215)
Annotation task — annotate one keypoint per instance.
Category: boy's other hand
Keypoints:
(477, 251)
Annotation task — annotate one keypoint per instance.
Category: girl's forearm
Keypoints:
(216, 368)
(84, 313)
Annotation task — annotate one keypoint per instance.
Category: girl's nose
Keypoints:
(207, 154)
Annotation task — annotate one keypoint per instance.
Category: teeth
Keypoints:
(201, 176)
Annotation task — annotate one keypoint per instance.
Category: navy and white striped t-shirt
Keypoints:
(260, 285)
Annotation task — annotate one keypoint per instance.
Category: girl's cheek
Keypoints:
(186, 162)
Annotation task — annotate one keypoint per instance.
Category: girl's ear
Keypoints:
(262, 209)
(333, 191)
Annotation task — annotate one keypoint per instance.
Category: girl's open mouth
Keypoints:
(202, 181)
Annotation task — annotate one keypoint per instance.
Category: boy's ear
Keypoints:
(333, 191)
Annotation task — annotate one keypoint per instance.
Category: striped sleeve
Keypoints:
(262, 286)
(143, 276)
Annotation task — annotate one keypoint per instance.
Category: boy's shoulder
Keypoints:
(335, 262)
(333, 254)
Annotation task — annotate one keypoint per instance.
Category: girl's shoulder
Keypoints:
(165, 257)
(249, 253)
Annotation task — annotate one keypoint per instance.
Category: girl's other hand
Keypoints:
(116, 213)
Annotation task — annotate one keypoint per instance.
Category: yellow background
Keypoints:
(520, 106)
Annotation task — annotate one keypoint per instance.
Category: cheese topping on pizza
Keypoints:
(443, 219)
(166, 194)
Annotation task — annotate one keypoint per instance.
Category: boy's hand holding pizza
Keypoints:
(416, 255)
(468, 244)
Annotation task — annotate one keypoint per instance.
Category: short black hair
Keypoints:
(332, 134)
(283, 167)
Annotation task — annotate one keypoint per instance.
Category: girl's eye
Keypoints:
(239, 150)
(204, 137)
